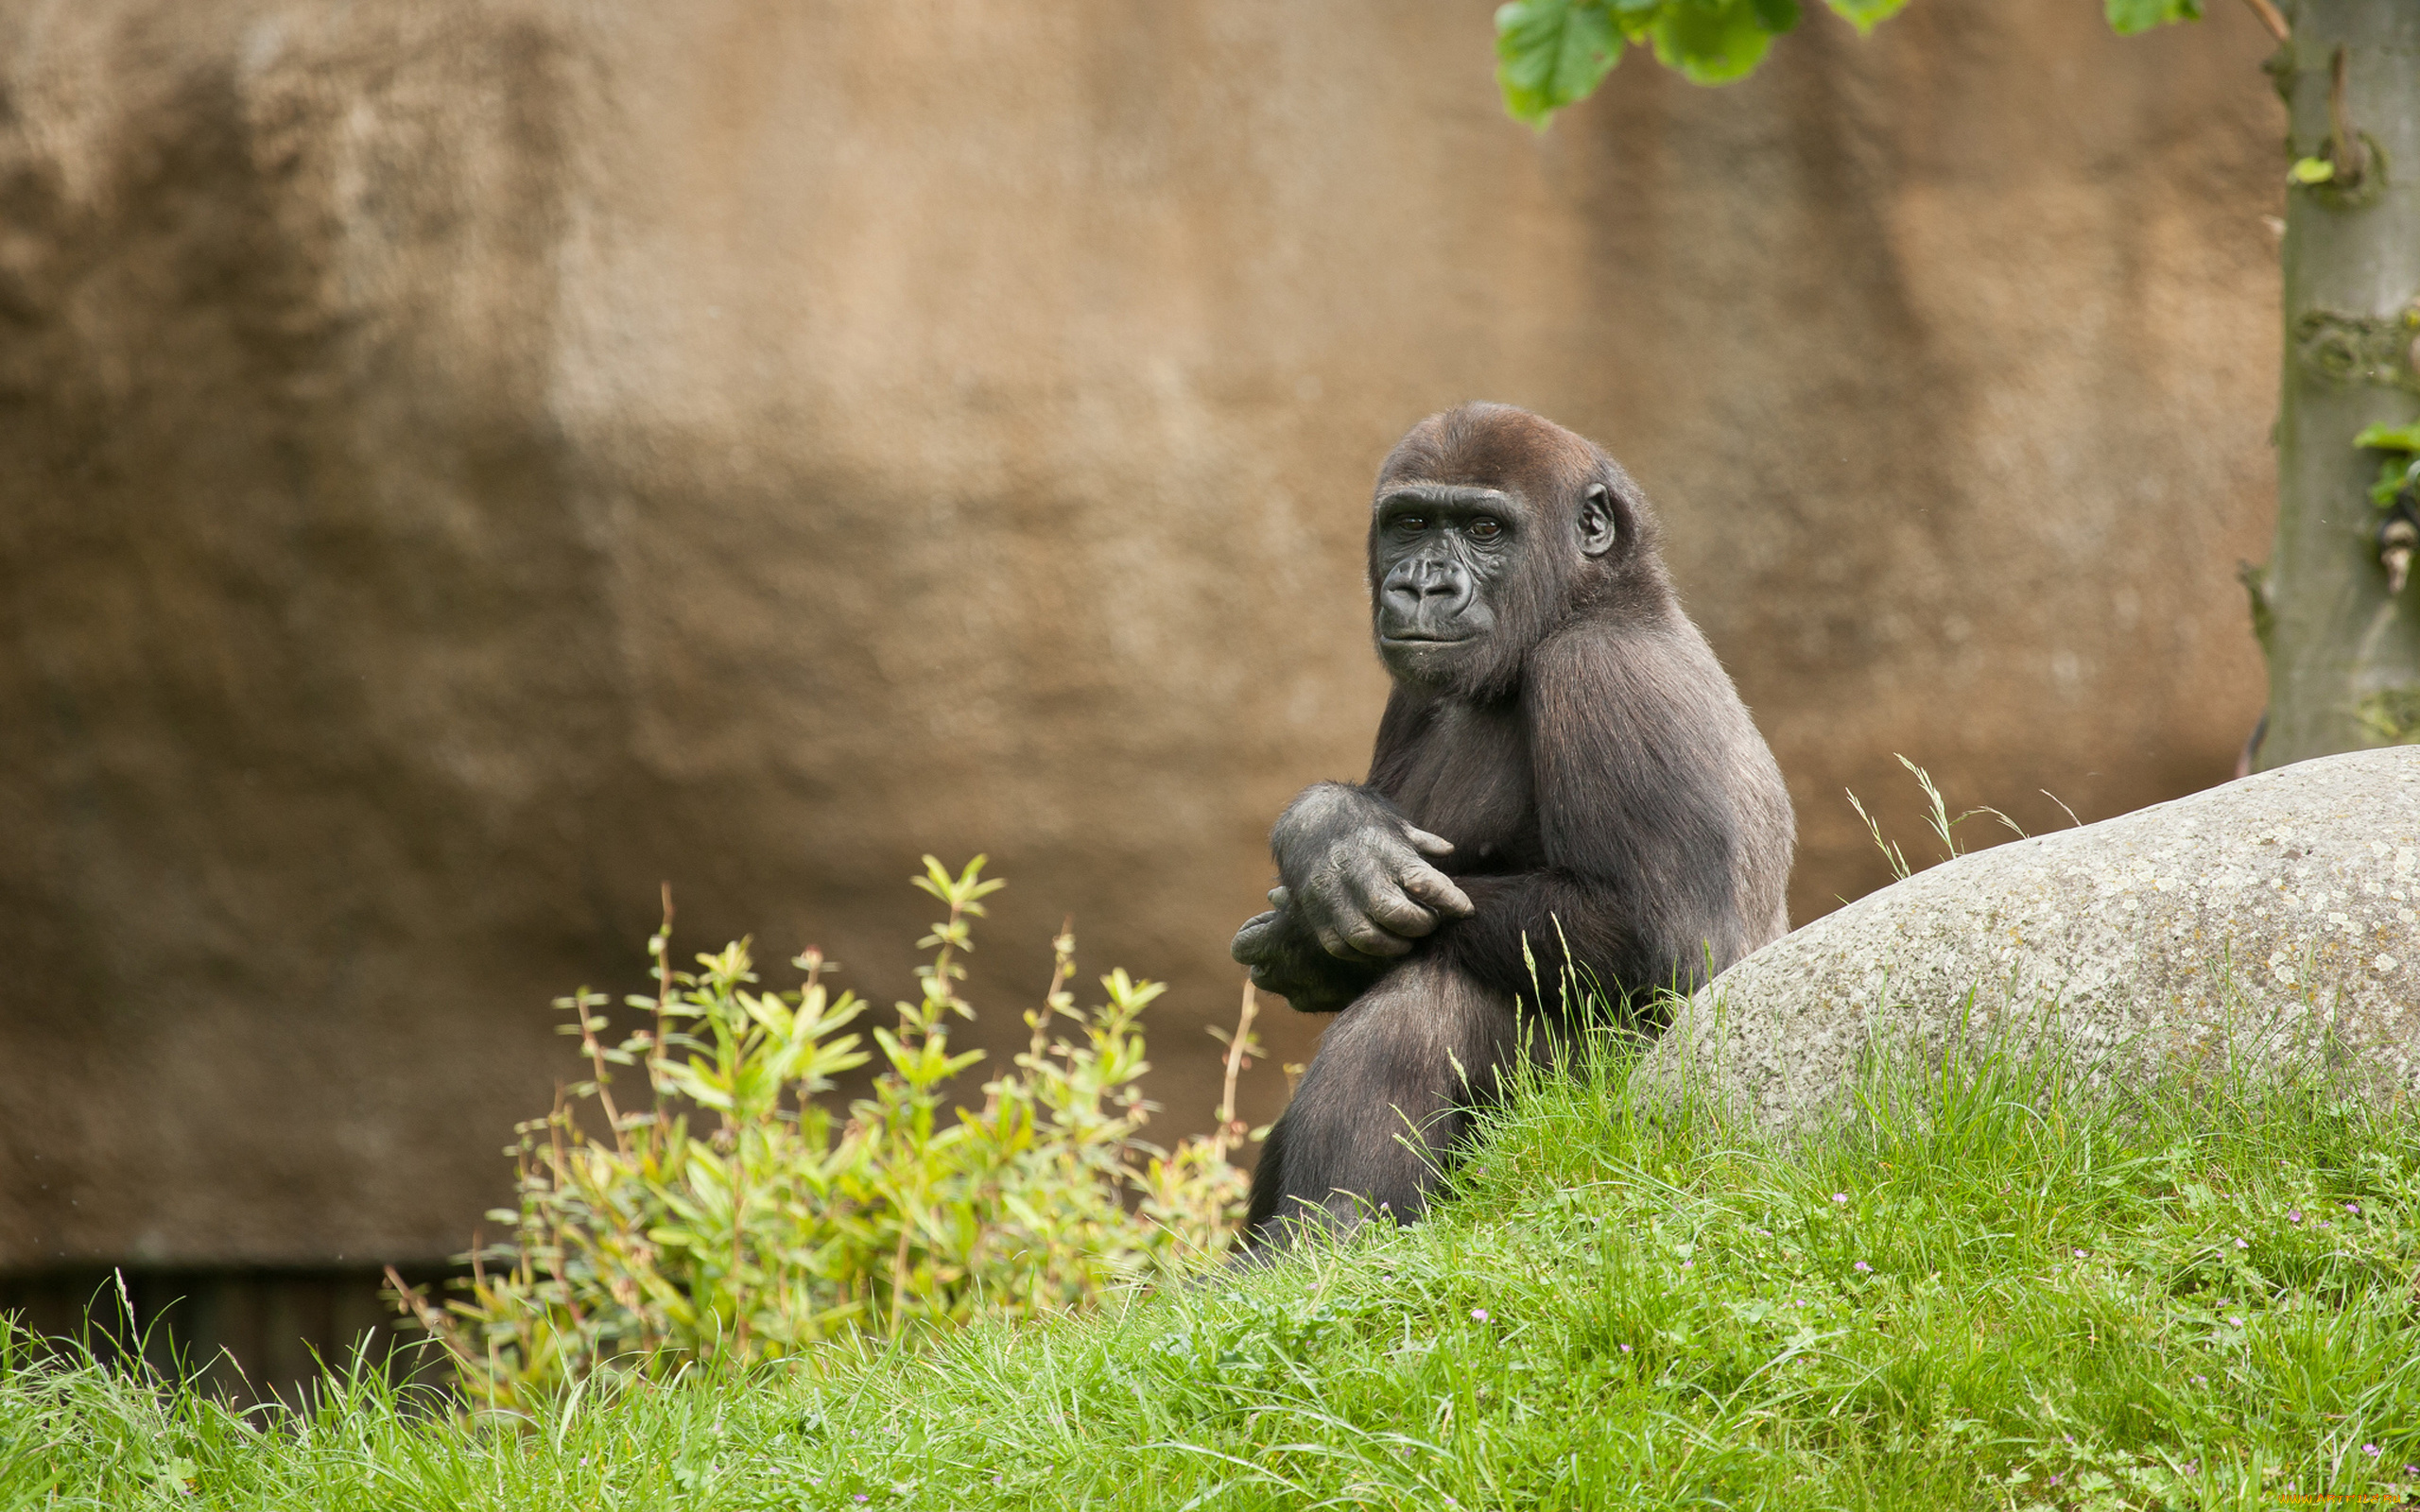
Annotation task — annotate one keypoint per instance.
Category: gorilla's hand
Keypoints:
(1357, 876)
(1286, 960)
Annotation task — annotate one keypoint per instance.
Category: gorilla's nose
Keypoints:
(1425, 591)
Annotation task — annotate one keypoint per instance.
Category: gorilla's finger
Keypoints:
(1400, 914)
(1428, 844)
(1331, 887)
(1370, 939)
(1278, 897)
(1258, 941)
(1367, 880)
(1437, 890)
(1340, 941)
(1324, 911)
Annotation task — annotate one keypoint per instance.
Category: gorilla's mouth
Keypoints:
(1427, 640)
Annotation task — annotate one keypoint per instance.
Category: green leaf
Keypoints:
(2391, 438)
(2398, 472)
(2128, 17)
(1867, 14)
(2308, 171)
(700, 1086)
(1776, 16)
(1714, 42)
(1552, 53)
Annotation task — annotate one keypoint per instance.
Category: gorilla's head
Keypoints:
(1489, 526)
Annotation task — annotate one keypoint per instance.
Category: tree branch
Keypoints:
(2271, 19)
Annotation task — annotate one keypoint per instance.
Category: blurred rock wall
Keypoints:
(467, 464)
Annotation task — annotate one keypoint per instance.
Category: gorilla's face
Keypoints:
(1444, 554)
(1473, 552)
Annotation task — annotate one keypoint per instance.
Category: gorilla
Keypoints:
(1569, 804)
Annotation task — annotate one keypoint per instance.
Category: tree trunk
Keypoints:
(2344, 653)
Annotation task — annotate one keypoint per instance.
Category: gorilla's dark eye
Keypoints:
(1411, 522)
(1483, 528)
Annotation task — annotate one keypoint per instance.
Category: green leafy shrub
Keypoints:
(735, 1218)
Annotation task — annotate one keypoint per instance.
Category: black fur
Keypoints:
(1612, 814)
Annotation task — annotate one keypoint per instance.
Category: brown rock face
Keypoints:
(470, 463)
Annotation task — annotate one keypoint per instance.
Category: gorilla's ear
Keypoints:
(1598, 529)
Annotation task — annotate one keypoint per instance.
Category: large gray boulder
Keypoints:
(2266, 920)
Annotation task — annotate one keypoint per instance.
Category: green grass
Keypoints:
(2018, 1297)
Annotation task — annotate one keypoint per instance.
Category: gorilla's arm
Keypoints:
(1628, 758)
(1356, 873)
(1357, 893)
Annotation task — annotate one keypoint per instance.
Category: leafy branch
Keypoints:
(1552, 54)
